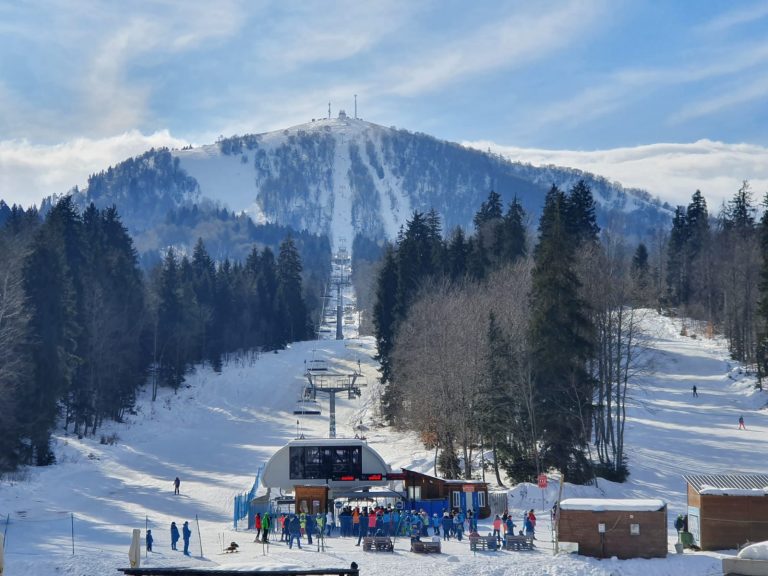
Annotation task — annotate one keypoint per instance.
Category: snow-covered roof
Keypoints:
(756, 551)
(729, 484)
(446, 480)
(610, 504)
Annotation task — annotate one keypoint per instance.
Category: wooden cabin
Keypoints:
(437, 494)
(727, 510)
(603, 528)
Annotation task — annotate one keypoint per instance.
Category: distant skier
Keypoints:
(176, 484)
(149, 540)
(741, 423)
(174, 535)
(186, 533)
(695, 391)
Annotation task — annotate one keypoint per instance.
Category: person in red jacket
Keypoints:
(532, 520)
(257, 525)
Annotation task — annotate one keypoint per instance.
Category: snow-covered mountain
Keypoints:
(345, 176)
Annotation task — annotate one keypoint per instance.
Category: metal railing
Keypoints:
(160, 571)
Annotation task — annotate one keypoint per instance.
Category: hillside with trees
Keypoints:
(529, 347)
(82, 327)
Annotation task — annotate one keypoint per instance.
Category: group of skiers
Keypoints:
(504, 526)
(294, 526)
(186, 533)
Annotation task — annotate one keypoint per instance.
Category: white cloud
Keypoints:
(743, 15)
(511, 42)
(625, 86)
(673, 172)
(744, 92)
(312, 32)
(30, 172)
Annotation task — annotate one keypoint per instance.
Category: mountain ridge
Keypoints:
(344, 176)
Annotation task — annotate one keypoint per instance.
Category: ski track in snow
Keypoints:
(217, 429)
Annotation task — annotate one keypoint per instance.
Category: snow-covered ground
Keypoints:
(218, 428)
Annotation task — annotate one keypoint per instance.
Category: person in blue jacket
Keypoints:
(174, 535)
(294, 531)
(149, 540)
(435, 525)
(527, 526)
(185, 534)
(311, 526)
(510, 526)
(447, 523)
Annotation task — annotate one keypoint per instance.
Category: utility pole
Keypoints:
(355, 106)
(329, 109)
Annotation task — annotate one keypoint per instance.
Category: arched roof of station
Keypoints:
(276, 473)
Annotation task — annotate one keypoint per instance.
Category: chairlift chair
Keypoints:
(307, 407)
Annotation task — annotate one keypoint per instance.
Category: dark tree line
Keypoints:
(713, 272)
(82, 328)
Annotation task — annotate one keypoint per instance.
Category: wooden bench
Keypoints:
(518, 542)
(425, 547)
(481, 543)
(378, 543)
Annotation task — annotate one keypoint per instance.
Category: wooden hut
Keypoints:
(437, 494)
(604, 528)
(727, 510)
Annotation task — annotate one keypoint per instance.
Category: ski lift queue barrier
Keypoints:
(242, 501)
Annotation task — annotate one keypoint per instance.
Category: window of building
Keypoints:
(414, 492)
(456, 499)
(325, 462)
(481, 499)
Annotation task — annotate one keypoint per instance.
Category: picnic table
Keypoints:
(512, 542)
(425, 547)
(482, 543)
(378, 543)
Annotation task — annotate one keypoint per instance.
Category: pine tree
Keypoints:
(641, 275)
(15, 367)
(511, 234)
(204, 287)
(172, 360)
(561, 340)
(290, 297)
(123, 360)
(266, 310)
(496, 405)
(490, 210)
(677, 269)
(415, 261)
(581, 214)
(457, 255)
(54, 331)
(739, 245)
(384, 322)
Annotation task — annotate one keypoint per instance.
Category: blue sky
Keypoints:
(86, 84)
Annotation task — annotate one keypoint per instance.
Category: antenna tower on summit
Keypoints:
(355, 106)
(329, 109)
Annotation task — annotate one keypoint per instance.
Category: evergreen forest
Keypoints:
(83, 327)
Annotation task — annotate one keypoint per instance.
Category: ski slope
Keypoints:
(218, 428)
